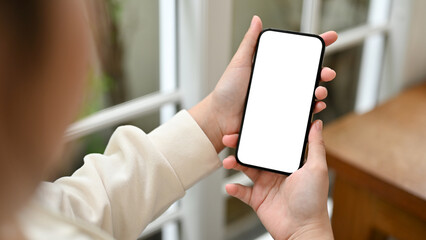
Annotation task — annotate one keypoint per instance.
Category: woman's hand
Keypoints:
(289, 207)
(293, 207)
(220, 113)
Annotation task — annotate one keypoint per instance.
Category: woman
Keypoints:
(45, 56)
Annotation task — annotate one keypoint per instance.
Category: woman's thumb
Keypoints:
(316, 154)
(247, 47)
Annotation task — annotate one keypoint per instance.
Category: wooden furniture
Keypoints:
(380, 164)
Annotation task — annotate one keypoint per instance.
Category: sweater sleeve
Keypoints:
(137, 178)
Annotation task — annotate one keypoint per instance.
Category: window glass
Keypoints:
(132, 70)
(342, 91)
(342, 14)
(281, 14)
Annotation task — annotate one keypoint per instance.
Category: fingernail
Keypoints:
(334, 72)
(252, 21)
(318, 125)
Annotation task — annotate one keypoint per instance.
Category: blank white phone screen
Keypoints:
(279, 101)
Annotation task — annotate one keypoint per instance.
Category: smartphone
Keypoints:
(280, 101)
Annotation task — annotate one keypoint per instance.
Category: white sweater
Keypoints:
(116, 194)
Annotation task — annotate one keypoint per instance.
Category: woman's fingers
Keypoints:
(231, 163)
(239, 191)
(319, 106)
(230, 140)
(327, 74)
(329, 37)
(321, 93)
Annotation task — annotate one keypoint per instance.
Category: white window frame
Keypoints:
(194, 53)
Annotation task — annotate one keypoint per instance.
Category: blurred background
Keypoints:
(168, 54)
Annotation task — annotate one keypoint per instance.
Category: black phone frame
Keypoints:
(302, 158)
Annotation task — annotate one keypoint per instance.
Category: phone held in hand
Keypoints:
(280, 101)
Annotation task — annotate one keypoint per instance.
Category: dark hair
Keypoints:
(24, 24)
(25, 27)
